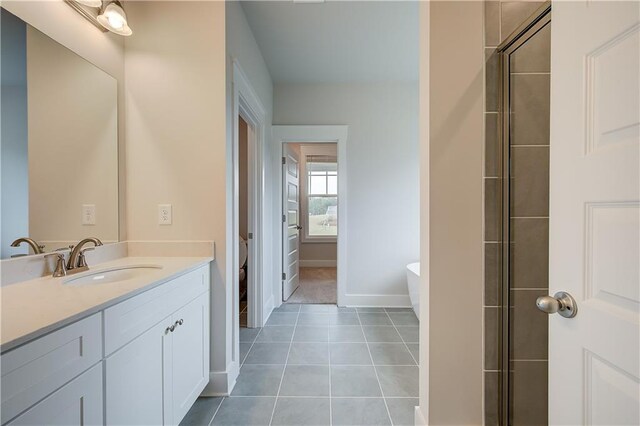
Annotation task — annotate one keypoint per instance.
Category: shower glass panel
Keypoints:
(525, 73)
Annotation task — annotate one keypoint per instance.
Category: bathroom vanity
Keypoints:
(124, 343)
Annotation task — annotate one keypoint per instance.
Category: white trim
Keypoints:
(318, 263)
(268, 308)
(306, 150)
(247, 104)
(320, 134)
(419, 418)
(222, 382)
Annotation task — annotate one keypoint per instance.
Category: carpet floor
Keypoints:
(316, 285)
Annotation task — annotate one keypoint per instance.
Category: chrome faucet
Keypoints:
(37, 248)
(77, 261)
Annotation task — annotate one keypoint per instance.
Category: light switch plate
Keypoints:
(164, 214)
(88, 214)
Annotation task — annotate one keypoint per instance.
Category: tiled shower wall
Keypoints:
(529, 215)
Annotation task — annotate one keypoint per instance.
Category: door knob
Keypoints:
(561, 303)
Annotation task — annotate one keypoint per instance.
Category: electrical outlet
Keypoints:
(164, 214)
(88, 214)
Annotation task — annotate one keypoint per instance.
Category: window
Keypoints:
(322, 196)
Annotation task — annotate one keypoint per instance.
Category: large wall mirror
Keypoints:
(59, 144)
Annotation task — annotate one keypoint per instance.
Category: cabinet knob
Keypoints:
(170, 329)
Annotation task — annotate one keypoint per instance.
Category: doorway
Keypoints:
(325, 149)
(310, 222)
(524, 242)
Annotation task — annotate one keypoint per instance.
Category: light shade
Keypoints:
(114, 19)
(90, 3)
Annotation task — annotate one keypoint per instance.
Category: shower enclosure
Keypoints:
(524, 60)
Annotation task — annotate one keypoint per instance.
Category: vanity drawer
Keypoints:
(36, 369)
(129, 319)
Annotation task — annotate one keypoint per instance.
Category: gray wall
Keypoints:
(13, 144)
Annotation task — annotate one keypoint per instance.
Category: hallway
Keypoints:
(322, 365)
(317, 285)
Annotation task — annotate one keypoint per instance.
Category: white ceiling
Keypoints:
(337, 41)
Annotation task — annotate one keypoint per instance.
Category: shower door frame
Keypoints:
(529, 28)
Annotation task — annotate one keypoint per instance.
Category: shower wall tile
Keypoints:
(491, 152)
(492, 80)
(491, 23)
(492, 274)
(491, 209)
(530, 181)
(529, 326)
(513, 13)
(529, 253)
(491, 398)
(529, 393)
(530, 126)
(492, 338)
(535, 54)
(530, 109)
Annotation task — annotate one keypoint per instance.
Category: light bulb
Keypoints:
(114, 19)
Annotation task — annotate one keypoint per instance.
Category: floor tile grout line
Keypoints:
(250, 347)
(375, 370)
(321, 397)
(363, 365)
(284, 369)
(216, 412)
(402, 338)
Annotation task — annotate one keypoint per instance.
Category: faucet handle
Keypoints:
(82, 261)
(61, 267)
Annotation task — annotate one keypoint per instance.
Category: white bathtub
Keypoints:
(413, 282)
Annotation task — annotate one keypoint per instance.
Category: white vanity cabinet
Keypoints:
(157, 346)
(157, 377)
(143, 361)
(46, 380)
(78, 403)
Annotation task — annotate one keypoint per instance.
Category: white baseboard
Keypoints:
(221, 383)
(318, 263)
(419, 418)
(266, 310)
(375, 300)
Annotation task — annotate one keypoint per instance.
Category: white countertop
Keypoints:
(30, 309)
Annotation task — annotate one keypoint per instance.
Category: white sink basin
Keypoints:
(111, 275)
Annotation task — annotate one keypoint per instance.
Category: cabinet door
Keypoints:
(134, 379)
(77, 403)
(190, 357)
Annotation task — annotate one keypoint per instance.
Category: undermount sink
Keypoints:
(112, 275)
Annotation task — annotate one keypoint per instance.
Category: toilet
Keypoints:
(413, 282)
(242, 257)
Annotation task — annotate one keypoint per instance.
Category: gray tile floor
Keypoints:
(322, 365)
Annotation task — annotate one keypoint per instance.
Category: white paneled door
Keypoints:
(290, 222)
(594, 357)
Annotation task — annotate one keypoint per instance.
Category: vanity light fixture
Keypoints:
(90, 3)
(107, 15)
(113, 18)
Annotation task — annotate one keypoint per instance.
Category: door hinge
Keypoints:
(284, 218)
(284, 160)
(284, 276)
(250, 236)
